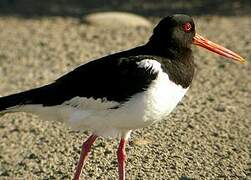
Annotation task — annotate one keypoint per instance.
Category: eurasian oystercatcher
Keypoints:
(116, 94)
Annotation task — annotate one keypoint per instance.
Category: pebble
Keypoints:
(118, 19)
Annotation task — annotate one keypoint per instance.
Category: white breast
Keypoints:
(162, 97)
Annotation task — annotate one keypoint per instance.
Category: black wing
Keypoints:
(114, 79)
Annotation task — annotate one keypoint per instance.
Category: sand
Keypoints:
(208, 136)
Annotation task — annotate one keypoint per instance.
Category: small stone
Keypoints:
(141, 142)
(220, 108)
(4, 173)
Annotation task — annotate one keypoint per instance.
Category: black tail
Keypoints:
(33, 96)
(18, 99)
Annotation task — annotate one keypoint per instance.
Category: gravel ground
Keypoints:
(208, 136)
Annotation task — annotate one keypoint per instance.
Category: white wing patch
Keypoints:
(149, 63)
(72, 110)
(90, 103)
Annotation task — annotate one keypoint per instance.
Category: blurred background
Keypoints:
(206, 137)
(77, 8)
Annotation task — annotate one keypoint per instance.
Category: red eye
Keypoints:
(187, 27)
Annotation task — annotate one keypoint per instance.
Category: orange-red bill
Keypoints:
(211, 46)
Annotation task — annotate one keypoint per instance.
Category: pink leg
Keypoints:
(121, 159)
(86, 147)
(121, 153)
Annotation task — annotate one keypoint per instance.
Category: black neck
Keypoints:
(172, 51)
(176, 61)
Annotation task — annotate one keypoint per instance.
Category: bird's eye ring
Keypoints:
(187, 27)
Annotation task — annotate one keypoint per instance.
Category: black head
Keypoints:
(176, 31)
(175, 34)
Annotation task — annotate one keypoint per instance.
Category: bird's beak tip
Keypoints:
(242, 61)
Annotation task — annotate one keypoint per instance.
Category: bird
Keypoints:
(118, 93)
